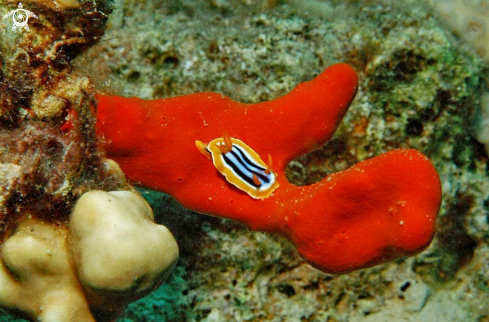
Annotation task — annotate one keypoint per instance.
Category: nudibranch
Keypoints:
(368, 214)
(241, 166)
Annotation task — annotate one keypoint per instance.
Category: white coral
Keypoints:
(111, 253)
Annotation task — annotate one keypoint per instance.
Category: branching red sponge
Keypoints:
(379, 210)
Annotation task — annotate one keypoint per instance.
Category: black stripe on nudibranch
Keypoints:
(248, 161)
(248, 165)
(241, 166)
(238, 171)
(259, 172)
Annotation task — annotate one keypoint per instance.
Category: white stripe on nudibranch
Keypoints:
(241, 166)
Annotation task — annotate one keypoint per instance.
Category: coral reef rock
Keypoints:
(56, 263)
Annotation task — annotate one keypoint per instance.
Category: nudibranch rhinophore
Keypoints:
(366, 215)
(241, 166)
